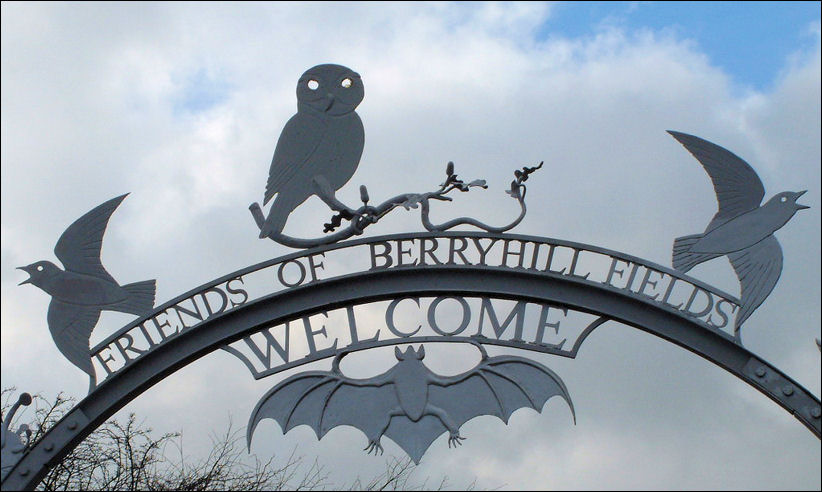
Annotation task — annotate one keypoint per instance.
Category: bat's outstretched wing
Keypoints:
(497, 386)
(737, 186)
(323, 400)
(79, 246)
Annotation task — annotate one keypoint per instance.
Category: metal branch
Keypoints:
(364, 216)
(471, 221)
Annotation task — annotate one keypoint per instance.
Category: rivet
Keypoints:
(49, 446)
(72, 425)
(760, 371)
(24, 472)
(787, 390)
(815, 413)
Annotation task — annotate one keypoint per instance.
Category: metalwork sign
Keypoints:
(318, 152)
(531, 293)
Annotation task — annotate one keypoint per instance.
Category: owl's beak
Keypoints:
(330, 99)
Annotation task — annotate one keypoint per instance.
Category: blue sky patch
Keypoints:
(751, 41)
(201, 92)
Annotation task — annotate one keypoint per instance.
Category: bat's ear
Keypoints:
(421, 352)
(398, 353)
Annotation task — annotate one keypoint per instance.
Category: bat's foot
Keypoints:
(455, 439)
(373, 445)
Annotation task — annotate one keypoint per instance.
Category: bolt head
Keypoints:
(787, 390)
(760, 371)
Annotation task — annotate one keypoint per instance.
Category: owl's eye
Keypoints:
(313, 85)
(346, 83)
(39, 268)
(783, 199)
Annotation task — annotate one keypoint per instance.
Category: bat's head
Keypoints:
(410, 353)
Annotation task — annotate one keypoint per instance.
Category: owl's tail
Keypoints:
(277, 216)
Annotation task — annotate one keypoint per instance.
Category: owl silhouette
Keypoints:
(320, 146)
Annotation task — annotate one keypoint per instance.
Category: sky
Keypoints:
(181, 105)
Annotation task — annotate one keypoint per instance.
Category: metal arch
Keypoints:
(423, 235)
(371, 286)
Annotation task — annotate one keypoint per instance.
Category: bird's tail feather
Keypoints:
(683, 258)
(140, 299)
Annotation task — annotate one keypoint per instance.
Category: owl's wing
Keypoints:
(347, 141)
(737, 186)
(298, 142)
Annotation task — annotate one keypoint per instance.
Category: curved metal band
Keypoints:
(420, 235)
(504, 283)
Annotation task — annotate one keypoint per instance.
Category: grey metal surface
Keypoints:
(408, 403)
(742, 229)
(319, 150)
(504, 283)
(13, 444)
(529, 346)
(366, 215)
(320, 147)
(85, 288)
(424, 235)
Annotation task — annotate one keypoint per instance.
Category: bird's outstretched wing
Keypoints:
(70, 326)
(79, 246)
(298, 141)
(737, 186)
(497, 386)
(758, 268)
(323, 400)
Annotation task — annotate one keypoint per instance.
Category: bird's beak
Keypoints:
(25, 269)
(330, 99)
(796, 197)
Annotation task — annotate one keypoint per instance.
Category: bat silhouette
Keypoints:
(409, 403)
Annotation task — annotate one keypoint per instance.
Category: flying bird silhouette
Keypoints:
(85, 288)
(408, 403)
(742, 229)
(321, 144)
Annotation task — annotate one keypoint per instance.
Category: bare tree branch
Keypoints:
(128, 456)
